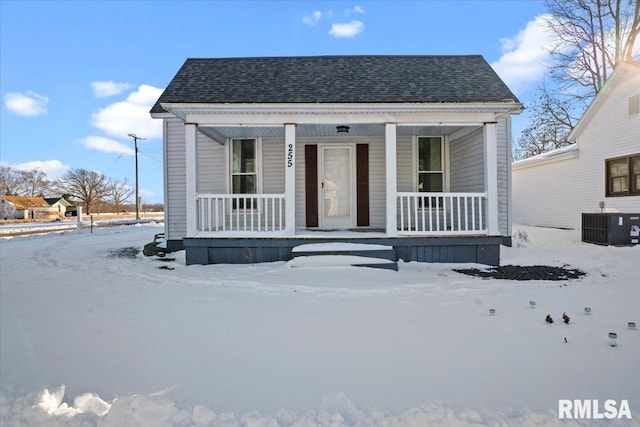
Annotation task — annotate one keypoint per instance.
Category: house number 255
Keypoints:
(290, 155)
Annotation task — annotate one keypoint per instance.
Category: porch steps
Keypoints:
(354, 254)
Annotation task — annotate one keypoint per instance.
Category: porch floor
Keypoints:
(352, 233)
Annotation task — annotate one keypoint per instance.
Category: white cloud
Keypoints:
(107, 145)
(131, 115)
(28, 105)
(52, 168)
(146, 195)
(312, 19)
(105, 89)
(524, 57)
(350, 29)
(356, 9)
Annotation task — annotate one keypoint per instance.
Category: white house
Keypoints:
(264, 154)
(59, 204)
(20, 207)
(599, 172)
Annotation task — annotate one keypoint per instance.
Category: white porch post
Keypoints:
(391, 179)
(290, 178)
(191, 142)
(491, 177)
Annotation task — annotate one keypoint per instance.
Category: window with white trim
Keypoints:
(244, 168)
(430, 164)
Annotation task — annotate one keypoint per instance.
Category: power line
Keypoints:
(149, 154)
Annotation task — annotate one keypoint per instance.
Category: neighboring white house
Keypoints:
(59, 204)
(264, 154)
(19, 207)
(599, 172)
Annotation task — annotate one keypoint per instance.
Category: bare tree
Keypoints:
(118, 192)
(592, 38)
(551, 120)
(33, 183)
(10, 181)
(88, 187)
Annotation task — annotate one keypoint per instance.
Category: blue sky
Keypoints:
(77, 76)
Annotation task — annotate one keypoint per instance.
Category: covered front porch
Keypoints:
(430, 178)
(273, 176)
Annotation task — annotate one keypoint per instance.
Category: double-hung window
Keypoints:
(623, 176)
(430, 164)
(430, 169)
(244, 170)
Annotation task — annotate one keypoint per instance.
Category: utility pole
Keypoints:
(135, 144)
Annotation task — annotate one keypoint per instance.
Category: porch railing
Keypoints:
(240, 213)
(441, 213)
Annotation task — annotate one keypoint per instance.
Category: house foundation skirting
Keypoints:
(481, 250)
(175, 245)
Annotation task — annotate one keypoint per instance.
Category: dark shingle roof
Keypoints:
(336, 79)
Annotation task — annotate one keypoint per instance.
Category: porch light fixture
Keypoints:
(342, 130)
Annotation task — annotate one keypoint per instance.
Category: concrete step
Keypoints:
(358, 254)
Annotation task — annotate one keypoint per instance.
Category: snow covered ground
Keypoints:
(93, 335)
(43, 227)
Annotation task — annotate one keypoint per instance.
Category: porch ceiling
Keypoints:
(326, 130)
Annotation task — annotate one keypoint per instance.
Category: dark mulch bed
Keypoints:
(527, 272)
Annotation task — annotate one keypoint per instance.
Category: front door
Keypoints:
(337, 189)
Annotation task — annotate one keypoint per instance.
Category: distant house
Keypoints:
(599, 172)
(264, 154)
(7, 209)
(19, 207)
(60, 204)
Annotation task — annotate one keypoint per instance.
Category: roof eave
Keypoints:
(552, 156)
(161, 115)
(181, 109)
(594, 106)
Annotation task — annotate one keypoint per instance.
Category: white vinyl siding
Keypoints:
(175, 180)
(377, 183)
(406, 164)
(211, 175)
(273, 166)
(504, 163)
(551, 195)
(467, 163)
(556, 191)
(211, 166)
